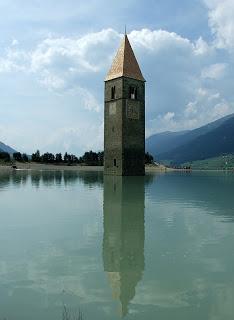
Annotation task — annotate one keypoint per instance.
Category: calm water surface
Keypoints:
(154, 247)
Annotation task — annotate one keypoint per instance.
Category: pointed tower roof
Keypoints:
(123, 285)
(125, 63)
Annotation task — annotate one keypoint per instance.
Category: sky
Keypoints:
(54, 56)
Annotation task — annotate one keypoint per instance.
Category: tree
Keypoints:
(101, 158)
(90, 158)
(66, 158)
(36, 156)
(74, 159)
(70, 159)
(5, 156)
(25, 157)
(58, 158)
(48, 158)
(17, 156)
(149, 159)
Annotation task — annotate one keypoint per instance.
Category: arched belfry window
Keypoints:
(113, 92)
(133, 93)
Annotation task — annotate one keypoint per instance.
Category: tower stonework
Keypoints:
(124, 115)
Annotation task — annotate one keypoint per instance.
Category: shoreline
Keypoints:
(32, 166)
(49, 167)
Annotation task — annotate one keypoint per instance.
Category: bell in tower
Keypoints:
(124, 115)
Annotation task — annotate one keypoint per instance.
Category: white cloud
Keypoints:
(161, 40)
(191, 109)
(169, 116)
(86, 136)
(14, 61)
(63, 53)
(214, 71)
(207, 107)
(63, 57)
(214, 96)
(221, 109)
(157, 40)
(178, 70)
(163, 122)
(221, 21)
(14, 42)
(201, 47)
(202, 92)
(51, 81)
(90, 102)
(69, 58)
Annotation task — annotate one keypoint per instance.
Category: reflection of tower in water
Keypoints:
(123, 243)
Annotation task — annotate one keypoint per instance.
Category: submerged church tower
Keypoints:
(124, 123)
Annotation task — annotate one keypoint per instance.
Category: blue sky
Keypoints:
(54, 56)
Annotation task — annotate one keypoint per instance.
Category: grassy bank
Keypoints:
(217, 163)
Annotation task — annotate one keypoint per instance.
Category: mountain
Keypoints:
(165, 141)
(5, 148)
(211, 140)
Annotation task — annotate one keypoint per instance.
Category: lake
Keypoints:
(153, 247)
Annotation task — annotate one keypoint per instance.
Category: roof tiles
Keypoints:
(125, 63)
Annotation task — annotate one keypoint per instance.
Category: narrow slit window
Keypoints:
(133, 93)
(115, 163)
(113, 93)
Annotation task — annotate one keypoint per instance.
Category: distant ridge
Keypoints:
(211, 140)
(6, 148)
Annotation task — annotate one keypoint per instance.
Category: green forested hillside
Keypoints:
(164, 142)
(210, 141)
(218, 163)
(215, 143)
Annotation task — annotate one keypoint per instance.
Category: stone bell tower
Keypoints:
(124, 115)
